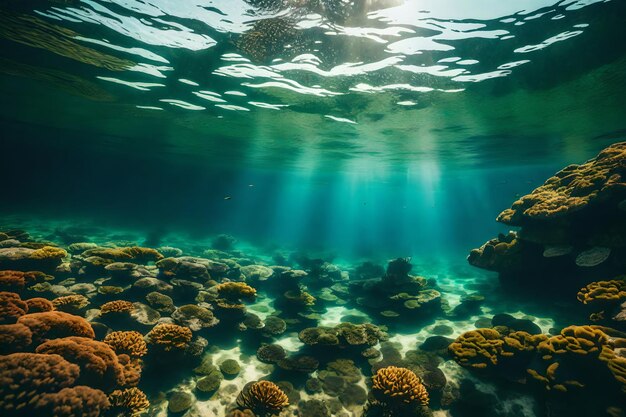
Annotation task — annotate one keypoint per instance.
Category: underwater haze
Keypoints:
(293, 203)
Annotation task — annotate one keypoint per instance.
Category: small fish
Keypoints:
(250, 185)
(227, 197)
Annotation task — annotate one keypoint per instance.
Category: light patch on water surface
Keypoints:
(406, 103)
(294, 86)
(558, 38)
(232, 107)
(235, 93)
(510, 65)
(267, 105)
(209, 95)
(150, 107)
(182, 104)
(475, 78)
(189, 82)
(340, 119)
(136, 85)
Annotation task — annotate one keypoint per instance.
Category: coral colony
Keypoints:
(113, 329)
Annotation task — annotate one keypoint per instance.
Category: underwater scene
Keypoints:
(313, 208)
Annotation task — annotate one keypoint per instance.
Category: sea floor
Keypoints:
(166, 384)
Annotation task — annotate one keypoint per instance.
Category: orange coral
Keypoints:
(263, 397)
(39, 305)
(99, 365)
(55, 324)
(393, 386)
(78, 401)
(12, 280)
(130, 343)
(11, 307)
(117, 306)
(170, 336)
(27, 376)
(14, 338)
(131, 368)
(129, 402)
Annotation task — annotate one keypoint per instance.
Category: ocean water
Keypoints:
(341, 160)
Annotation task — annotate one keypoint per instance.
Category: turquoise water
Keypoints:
(325, 136)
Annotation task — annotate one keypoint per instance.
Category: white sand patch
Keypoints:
(333, 315)
(290, 342)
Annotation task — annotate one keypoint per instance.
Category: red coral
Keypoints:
(55, 324)
(78, 401)
(11, 307)
(99, 365)
(39, 305)
(25, 377)
(14, 338)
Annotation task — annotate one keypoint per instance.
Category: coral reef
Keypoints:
(98, 363)
(11, 307)
(263, 398)
(42, 384)
(394, 387)
(571, 228)
(116, 307)
(170, 337)
(127, 342)
(129, 402)
(55, 324)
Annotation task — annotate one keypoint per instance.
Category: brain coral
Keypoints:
(11, 307)
(130, 343)
(263, 398)
(128, 402)
(393, 386)
(170, 336)
(573, 189)
(99, 365)
(55, 324)
(25, 377)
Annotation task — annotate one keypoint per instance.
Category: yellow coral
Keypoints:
(170, 336)
(263, 397)
(127, 342)
(235, 290)
(602, 291)
(582, 340)
(393, 385)
(48, 252)
(572, 189)
(477, 348)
